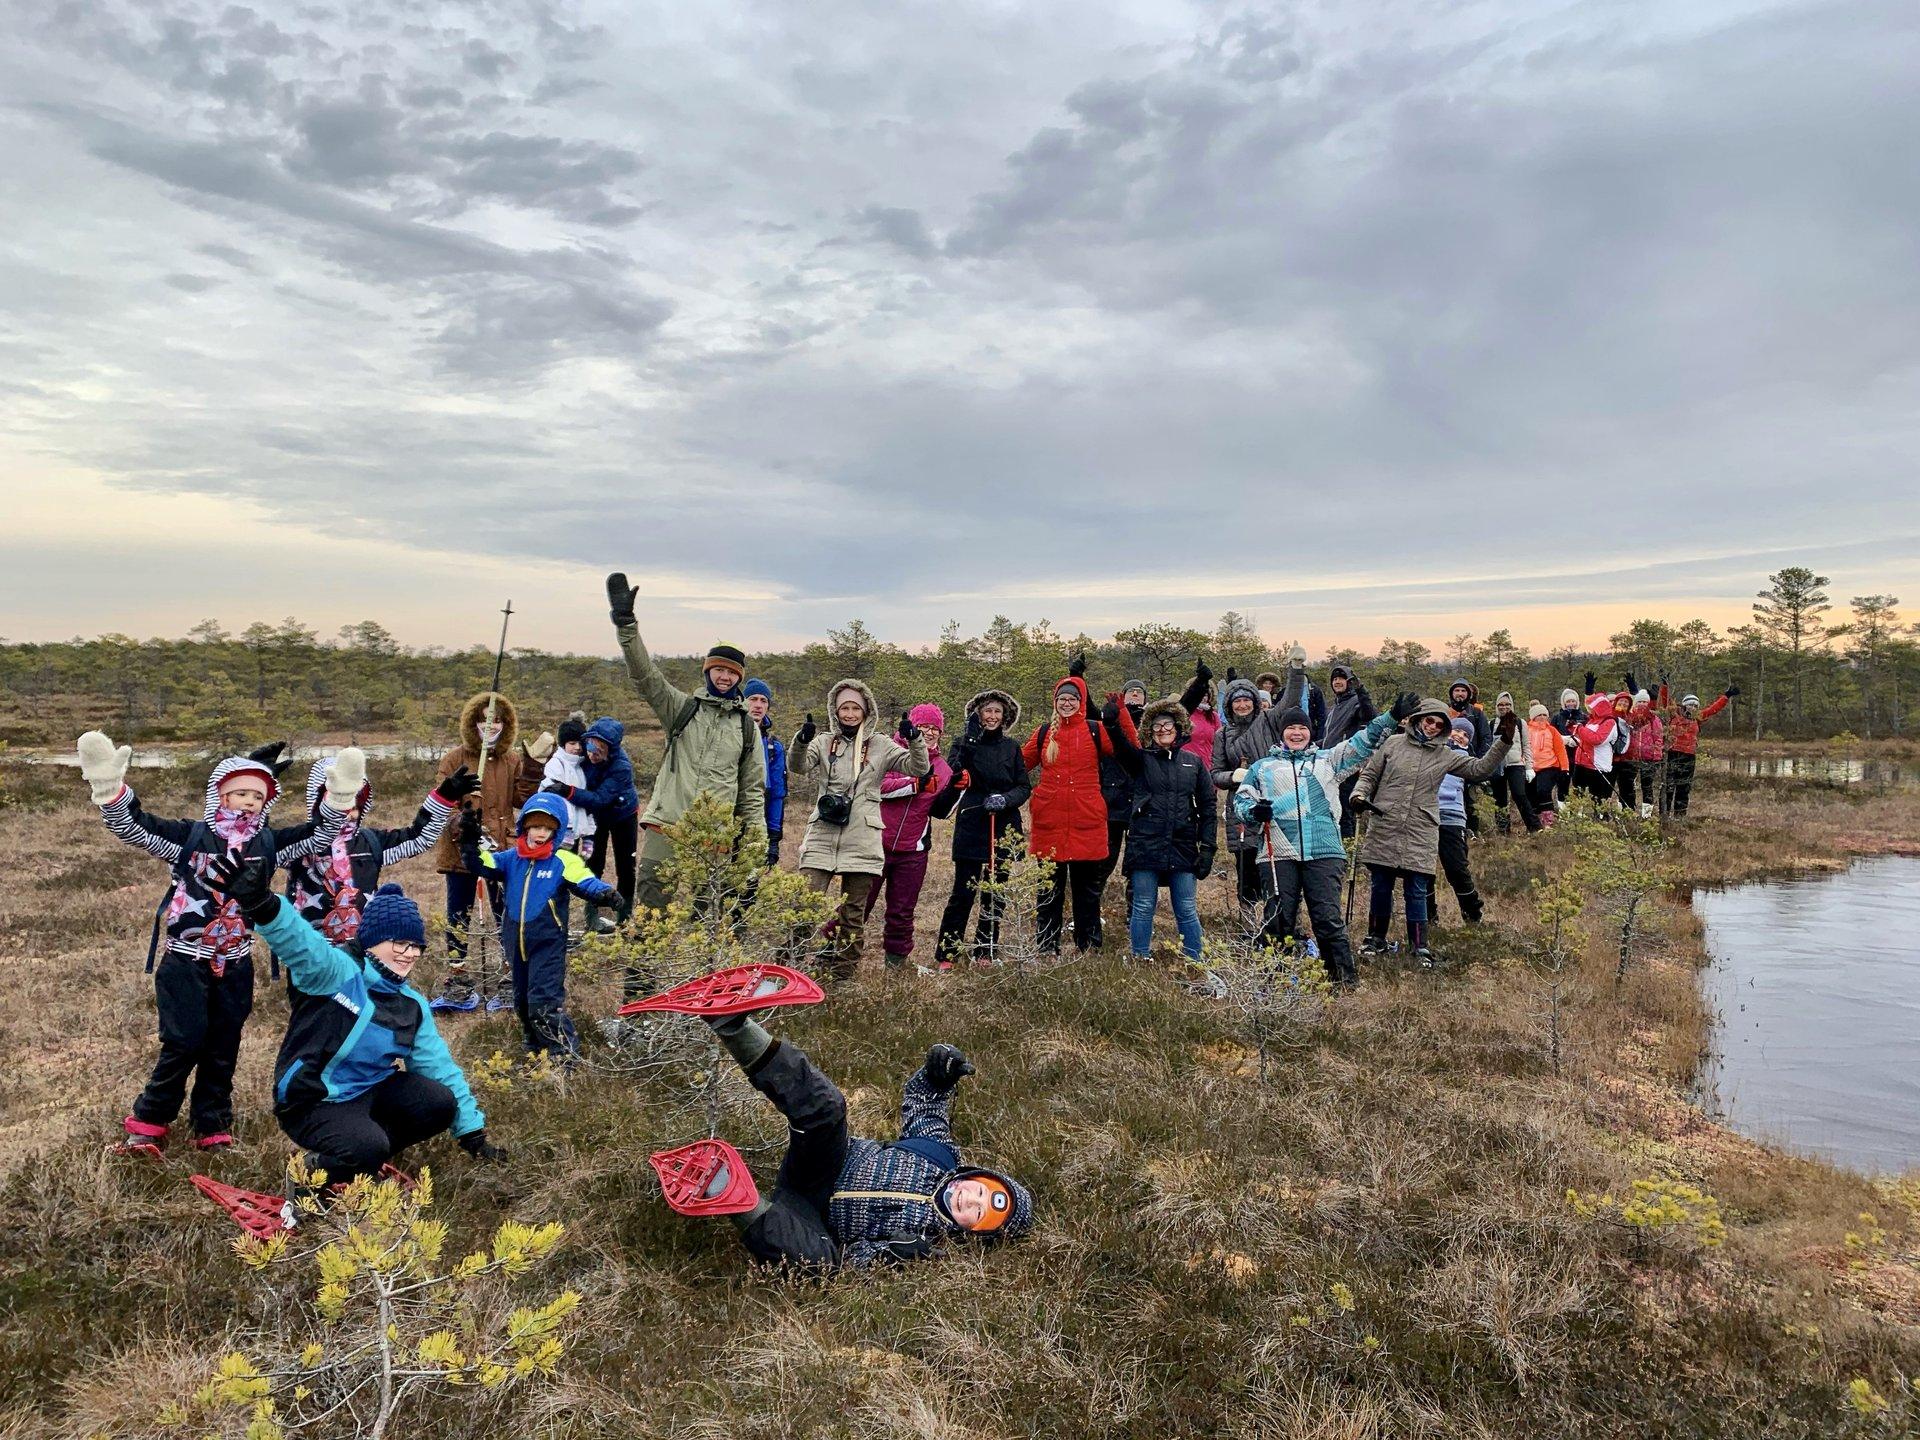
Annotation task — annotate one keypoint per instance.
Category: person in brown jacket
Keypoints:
(510, 775)
(1399, 790)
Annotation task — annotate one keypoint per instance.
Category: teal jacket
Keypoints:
(1304, 786)
(351, 1027)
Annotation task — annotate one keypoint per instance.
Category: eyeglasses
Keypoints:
(407, 950)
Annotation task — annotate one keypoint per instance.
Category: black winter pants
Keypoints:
(1082, 878)
(1678, 790)
(1453, 860)
(1548, 786)
(622, 838)
(1623, 773)
(1116, 841)
(201, 1017)
(350, 1138)
(1512, 781)
(1285, 882)
(794, 1228)
(1593, 782)
(952, 945)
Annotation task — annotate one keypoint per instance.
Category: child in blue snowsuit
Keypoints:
(759, 697)
(536, 879)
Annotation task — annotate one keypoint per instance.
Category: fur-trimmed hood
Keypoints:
(1155, 709)
(860, 688)
(475, 708)
(1007, 703)
(317, 782)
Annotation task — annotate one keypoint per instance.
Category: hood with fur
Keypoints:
(861, 690)
(1165, 707)
(475, 708)
(1007, 702)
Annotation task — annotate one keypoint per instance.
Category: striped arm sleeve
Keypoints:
(161, 839)
(422, 835)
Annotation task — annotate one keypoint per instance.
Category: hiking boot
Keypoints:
(1373, 947)
(141, 1140)
(456, 994)
(1198, 980)
(1424, 956)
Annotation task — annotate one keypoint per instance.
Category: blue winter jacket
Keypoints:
(609, 791)
(1304, 786)
(351, 1027)
(535, 891)
(1453, 801)
(776, 753)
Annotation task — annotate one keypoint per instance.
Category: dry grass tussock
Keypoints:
(1372, 1240)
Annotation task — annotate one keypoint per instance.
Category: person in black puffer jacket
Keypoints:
(1116, 788)
(1173, 825)
(1351, 711)
(984, 797)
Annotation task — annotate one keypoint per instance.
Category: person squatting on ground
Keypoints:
(1456, 820)
(608, 795)
(1069, 811)
(203, 982)
(1683, 746)
(362, 1072)
(508, 775)
(330, 886)
(1515, 780)
(906, 830)
(1547, 748)
(536, 877)
(984, 797)
(845, 836)
(1399, 786)
(713, 748)
(841, 1200)
(1173, 828)
(759, 701)
(1290, 800)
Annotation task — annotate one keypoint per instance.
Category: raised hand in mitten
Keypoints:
(620, 597)
(457, 786)
(103, 767)
(803, 737)
(470, 832)
(347, 778)
(1078, 666)
(248, 882)
(540, 748)
(945, 1067)
(1404, 704)
(1592, 684)
(1110, 712)
(1509, 726)
(908, 730)
(1633, 687)
(269, 756)
(1297, 657)
(1202, 671)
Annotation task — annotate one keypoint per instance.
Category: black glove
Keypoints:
(1201, 672)
(1232, 674)
(945, 1067)
(1632, 688)
(1593, 683)
(269, 756)
(996, 802)
(1361, 805)
(476, 1144)
(1204, 866)
(1509, 726)
(1731, 691)
(1261, 812)
(248, 883)
(1110, 712)
(1077, 667)
(975, 730)
(907, 728)
(1404, 704)
(457, 786)
(469, 829)
(620, 597)
(557, 787)
(622, 910)
(803, 737)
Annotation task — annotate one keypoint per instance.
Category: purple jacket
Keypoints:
(906, 805)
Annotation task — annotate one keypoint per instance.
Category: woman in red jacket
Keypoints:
(1069, 813)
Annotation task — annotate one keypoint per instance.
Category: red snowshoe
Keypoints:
(733, 992)
(707, 1177)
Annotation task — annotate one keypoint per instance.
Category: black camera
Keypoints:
(835, 809)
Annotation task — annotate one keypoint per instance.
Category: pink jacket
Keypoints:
(1204, 727)
(1649, 741)
(906, 805)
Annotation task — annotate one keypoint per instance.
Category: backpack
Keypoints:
(685, 718)
(195, 843)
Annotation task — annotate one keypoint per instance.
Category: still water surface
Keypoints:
(1817, 984)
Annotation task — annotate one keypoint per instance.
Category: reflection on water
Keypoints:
(1818, 769)
(1817, 985)
(167, 759)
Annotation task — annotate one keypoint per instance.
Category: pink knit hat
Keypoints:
(929, 716)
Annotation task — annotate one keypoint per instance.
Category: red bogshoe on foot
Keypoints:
(732, 992)
(261, 1216)
(142, 1138)
(707, 1177)
(220, 1141)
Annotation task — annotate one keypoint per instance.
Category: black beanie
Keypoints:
(729, 655)
(572, 730)
(1294, 715)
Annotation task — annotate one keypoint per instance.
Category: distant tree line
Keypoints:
(1804, 671)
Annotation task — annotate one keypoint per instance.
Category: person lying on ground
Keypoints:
(362, 1073)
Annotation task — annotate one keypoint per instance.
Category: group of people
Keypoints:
(1135, 784)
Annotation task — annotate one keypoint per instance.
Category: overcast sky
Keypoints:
(1369, 317)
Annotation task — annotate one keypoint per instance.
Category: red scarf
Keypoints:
(532, 852)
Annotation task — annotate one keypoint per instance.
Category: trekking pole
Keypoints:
(1273, 878)
(1353, 865)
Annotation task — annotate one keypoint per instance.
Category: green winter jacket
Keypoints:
(717, 753)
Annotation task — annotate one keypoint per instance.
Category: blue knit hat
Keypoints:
(757, 687)
(390, 915)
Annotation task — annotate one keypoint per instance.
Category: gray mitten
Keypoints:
(102, 766)
(346, 778)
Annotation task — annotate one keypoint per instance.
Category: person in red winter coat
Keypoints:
(1683, 745)
(1069, 812)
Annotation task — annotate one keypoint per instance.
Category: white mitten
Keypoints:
(541, 748)
(348, 775)
(102, 766)
(1297, 657)
(1240, 775)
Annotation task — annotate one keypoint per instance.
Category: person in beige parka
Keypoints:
(843, 834)
(1399, 792)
